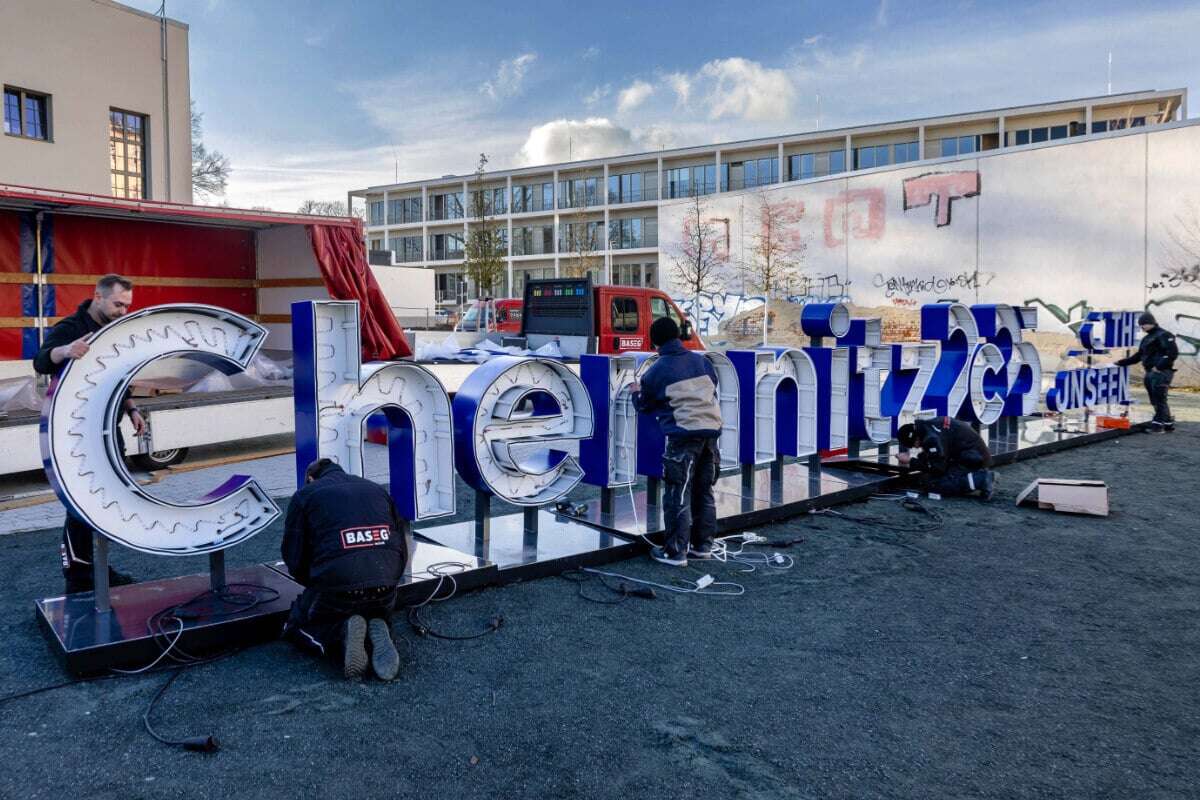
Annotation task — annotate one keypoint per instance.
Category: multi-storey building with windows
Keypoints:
(611, 204)
(119, 126)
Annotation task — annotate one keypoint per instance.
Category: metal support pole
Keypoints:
(852, 448)
(748, 479)
(884, 453)
(483, 523)
(530, 521)
(216, 570)
(814, 475)
(777, 480)
(606, 501)
(404, 530)
(100, 572)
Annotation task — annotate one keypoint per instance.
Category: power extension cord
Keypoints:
(704, 580)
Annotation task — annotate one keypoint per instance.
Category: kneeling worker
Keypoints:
(343, 542)
(680, 390)
(952, 454)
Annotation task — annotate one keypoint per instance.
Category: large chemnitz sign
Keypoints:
(526, 430)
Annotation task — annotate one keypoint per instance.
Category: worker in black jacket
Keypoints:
(67, 340)
(344, 542)
(1156, 353)
(952, 456)
(680, 390)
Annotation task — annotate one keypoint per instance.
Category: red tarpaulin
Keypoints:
(161, 258)
(342, 256)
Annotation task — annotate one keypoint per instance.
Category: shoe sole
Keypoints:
(670, 562)
(354, 662)
(384, 658)
(701, 556)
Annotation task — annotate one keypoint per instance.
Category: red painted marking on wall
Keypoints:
(845, 208)
(946, 186)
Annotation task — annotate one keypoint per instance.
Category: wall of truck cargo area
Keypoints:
(1107, 222)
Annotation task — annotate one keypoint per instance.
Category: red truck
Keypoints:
(581, 317)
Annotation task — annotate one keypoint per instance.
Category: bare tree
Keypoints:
(700, 253)
(323, 208)
(775, 253)
(484, 251)
(210, 170)
(582, 239)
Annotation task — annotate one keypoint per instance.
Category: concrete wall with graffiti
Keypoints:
(1108, 222)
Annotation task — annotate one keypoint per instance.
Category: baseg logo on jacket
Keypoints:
(680, 390)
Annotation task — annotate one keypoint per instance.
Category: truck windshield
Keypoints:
(470, 320)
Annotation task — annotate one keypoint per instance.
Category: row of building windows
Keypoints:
(27, 115)
(679, 182)
(586, 237)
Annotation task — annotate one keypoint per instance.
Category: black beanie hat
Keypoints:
(1147, 319)
(663, 330)
(907, 435)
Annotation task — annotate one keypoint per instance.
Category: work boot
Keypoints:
(702, 551)
(986, 481)
(384, 658)
(660, 555)
(1156, 427)
(354, 659)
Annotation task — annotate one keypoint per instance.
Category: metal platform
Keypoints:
(522, 551)
(431, 568)
(90, 641)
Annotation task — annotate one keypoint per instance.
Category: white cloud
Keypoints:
(881, 15)
(745, 89)
(597, 94)
(590, 53)
(681, 84)
(571, 139)
(509, 77)
(633, 96)
(815, 39)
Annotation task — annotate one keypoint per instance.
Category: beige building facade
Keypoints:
(611, 205)
(97, 99)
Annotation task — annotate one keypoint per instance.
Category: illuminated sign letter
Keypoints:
(517, 427)
(335, 393)
(778, 406)
(79, 433)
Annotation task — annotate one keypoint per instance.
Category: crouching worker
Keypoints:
(344, 543)
(953, 457)
(680, 390)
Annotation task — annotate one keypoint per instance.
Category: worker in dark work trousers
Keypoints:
(67, 340)
(952, 456)
(1156, 353)
(680, 390)
(344, 542)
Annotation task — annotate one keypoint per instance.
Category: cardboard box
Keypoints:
(1067, 496)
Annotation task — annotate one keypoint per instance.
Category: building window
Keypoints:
(375, 209)
(872, 156)
(403, 211)
(633, 187)
(579, 193)
(376, 244)
(406, 248)
(446, 206)
(691, 181)
(627, 234)
(748, 174)
(127, 151)
(960, 145)
(532, 197)
(904, 152)
(26, 114)
(1058, 131)
(445, 246)
(815, 165)
(533, 240)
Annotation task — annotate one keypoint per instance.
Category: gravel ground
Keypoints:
(1010, 653)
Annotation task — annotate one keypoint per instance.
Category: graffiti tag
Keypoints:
(845, 210)
(909, 285)
(826, 288)
(1177, 278)
(945, 186)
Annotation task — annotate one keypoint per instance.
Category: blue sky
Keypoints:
(310, 99)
